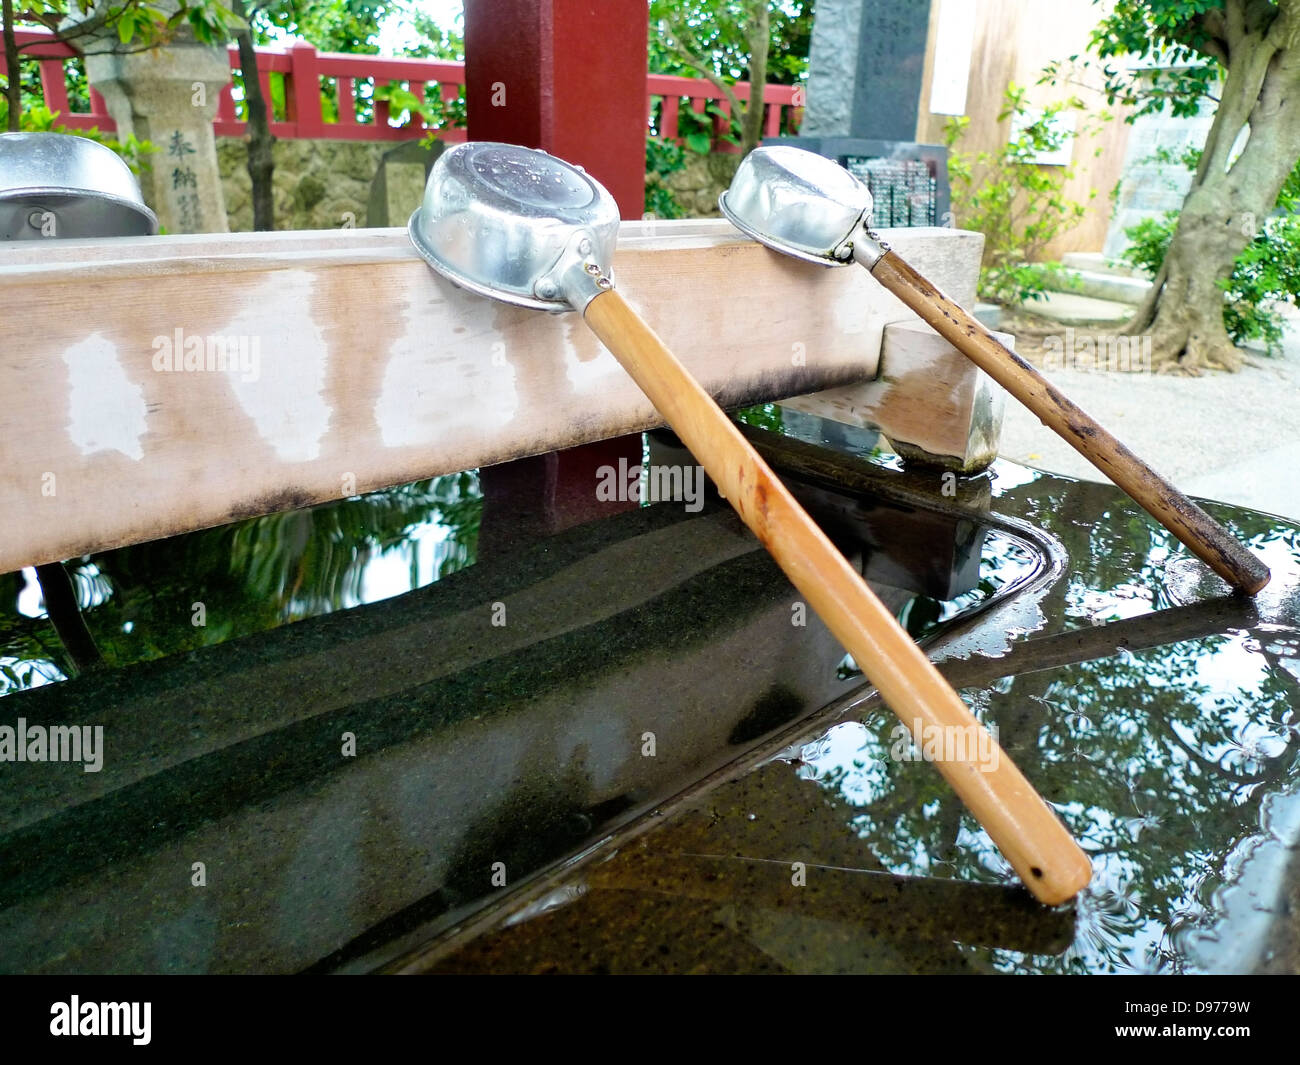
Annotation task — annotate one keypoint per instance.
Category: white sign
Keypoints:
(952, 55)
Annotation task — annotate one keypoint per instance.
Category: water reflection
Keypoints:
(1158, 759)
(1161, 722)
(476, 744)
(156, 599)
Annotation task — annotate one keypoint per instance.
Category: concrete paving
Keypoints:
(1232, 437)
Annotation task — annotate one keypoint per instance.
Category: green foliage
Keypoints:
(437, 114)
(1149, 240)
(1017, 203)
(718, 40)
(136, 22)
(1266, 273)
(1178, 36)
(662, 158)
(1018, 282)
(435, 42)
(141, 24)
(331, 25)
(714, 32)
(697, 128)
(30, 95)
(353, 26)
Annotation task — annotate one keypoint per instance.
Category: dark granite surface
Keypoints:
(607, 745)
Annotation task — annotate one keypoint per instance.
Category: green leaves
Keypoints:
(1177, 44)
(331, 25)
(662, 158)
(697, 128)
(140, 23)
(126, 26)
(715, 33)
(1149, 242)
(437, 113)
(1267, 272)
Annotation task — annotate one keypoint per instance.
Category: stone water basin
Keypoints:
(468, 726)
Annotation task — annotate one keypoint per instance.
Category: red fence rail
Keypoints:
(310, 77)
(51, 55)
(782, 105)
(354, 79)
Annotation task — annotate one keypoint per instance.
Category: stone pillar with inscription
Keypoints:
(864, 68)
(168, 96)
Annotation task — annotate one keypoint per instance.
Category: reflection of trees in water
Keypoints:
(1157, 763)
(250, 576)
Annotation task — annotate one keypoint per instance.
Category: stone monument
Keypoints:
(865, 67)
(167, 96)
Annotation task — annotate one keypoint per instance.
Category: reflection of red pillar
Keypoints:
(538, 496)
(568, 76)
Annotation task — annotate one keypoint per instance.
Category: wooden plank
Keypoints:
(362, 368)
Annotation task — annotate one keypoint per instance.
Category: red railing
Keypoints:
(354, 77)
(782, 105)
(303, 69)
(51, 55)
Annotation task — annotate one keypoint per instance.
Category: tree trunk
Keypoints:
(261, 159)
(760, 41)
(14, 78)
(1224, 210)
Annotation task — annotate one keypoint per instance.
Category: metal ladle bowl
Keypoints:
(58, 185)
(798, 203)
(513, 223)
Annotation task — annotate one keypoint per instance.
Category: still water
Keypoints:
(494, 767)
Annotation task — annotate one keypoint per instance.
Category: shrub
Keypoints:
(1017, 203)
(662, 157)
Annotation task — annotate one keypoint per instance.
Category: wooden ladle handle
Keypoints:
(1023, 826)
(1206, 538)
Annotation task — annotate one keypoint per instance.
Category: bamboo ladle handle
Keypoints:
(1204, 536)
(1023, 826)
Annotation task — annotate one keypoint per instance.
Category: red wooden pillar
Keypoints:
(567, 76)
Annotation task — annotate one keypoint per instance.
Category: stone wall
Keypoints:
(699, 184)
(319, 184)
(1149, 188)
